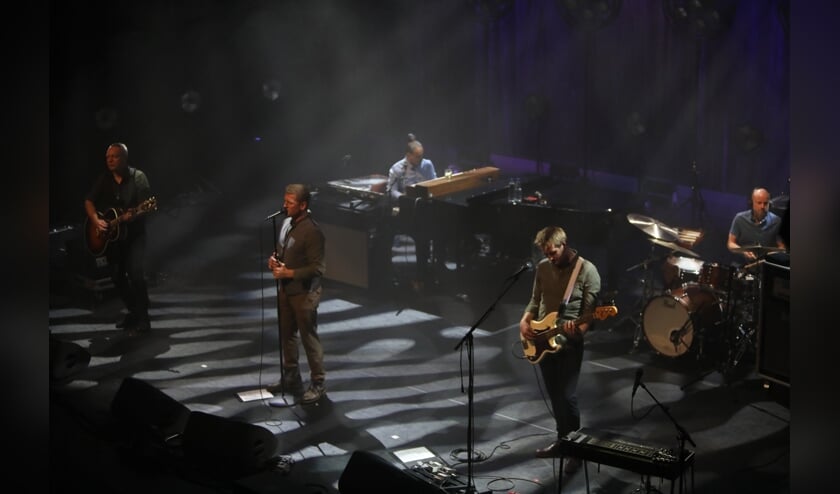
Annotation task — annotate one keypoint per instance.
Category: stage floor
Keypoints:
(397, 380)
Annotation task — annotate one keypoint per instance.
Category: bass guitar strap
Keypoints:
(572, 279)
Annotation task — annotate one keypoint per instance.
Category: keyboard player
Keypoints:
(413, 168)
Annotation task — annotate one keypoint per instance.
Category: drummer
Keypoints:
(757, 226)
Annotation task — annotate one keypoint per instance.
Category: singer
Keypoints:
(122, 187)
(298, 262)
(563, 269)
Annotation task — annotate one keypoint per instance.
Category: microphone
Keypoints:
(525, 267)
(639, 373)
(272, 215)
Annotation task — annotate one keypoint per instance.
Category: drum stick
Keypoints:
(753, 264)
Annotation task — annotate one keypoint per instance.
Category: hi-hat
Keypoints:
(652, 227)
(674, 247)
(758, 250)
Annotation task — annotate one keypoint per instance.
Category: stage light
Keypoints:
(492, 9)
(702, 17)
(190, 101)
(590, 14)
(748, 137)
(635, 124)
(272, 90)
(106, 118)
(536, 106)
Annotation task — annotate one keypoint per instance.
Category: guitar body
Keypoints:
(97, 241)
(551, 338)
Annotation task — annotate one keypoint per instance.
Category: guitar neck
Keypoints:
(132, 214)
(558, 328)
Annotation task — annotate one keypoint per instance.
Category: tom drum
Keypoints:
(716, 276)
(671, 322)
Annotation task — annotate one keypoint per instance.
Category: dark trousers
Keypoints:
(560, 372)
(299, 324)
(128, 272)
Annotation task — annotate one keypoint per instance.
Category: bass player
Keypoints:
(566, 283)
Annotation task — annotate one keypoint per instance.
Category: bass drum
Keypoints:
(671, 322)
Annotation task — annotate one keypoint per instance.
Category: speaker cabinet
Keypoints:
(368, 472)
(149, 412)
(226, 447)
(66, 359)
(773, 359)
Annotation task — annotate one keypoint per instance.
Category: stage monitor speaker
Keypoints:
(66, 359)
(149, 412)
(773, 359)
(368, 472)
(226, 447)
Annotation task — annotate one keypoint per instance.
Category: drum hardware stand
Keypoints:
(700, 337)
(725, 363)
(647, 294)
(677, 336)
(745, 331)
(717, 366)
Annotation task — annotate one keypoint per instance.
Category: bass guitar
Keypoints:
(97, 241)
(551, 338)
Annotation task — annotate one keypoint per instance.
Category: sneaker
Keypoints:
(315, 392)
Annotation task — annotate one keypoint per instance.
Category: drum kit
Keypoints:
(705, 309)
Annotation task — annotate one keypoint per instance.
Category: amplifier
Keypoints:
(773, 352)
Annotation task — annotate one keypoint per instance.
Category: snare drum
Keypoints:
(716, 276)
(679, 271)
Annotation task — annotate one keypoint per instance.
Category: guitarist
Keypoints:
(560, 370)
(120, 188)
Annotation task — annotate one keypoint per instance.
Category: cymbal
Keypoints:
(758, 250)
(674, 247)
(652, 227)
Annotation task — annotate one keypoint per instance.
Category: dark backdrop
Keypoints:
(241, 96)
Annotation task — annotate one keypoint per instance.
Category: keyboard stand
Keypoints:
(586, 452)
(645, 488)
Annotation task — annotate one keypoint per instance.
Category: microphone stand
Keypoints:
(677, 336)
(277, 301)
(682, 434)
(467, 341)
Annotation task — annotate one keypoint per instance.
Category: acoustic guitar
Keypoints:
(97, 241)
(551, 338)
